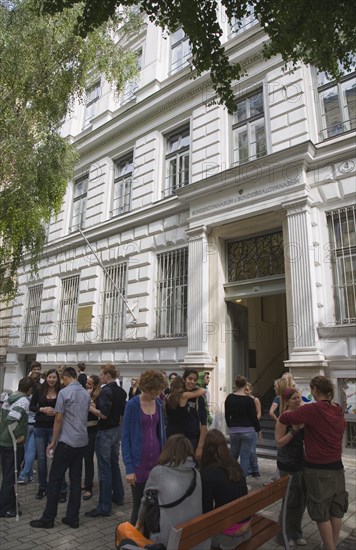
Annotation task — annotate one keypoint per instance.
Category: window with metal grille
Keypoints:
(241, 25)
(68, 306)
(124, 169)
(177, 161)
(337, 104)
(32, 323)
(249, 135)
(181, 51)
(80, 191)
(255, 257)
(172, 293)
(92, 96)
(112, 326)
(341, 224)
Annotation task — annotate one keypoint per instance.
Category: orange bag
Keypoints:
(126, 533)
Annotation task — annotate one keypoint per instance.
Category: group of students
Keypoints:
(164, 435)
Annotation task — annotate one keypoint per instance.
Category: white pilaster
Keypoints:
(303, 329)
(198, 296)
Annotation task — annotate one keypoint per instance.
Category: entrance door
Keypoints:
(238, 316)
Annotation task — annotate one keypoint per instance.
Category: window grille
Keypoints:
(177, 161)
(181, 51)
(255, 257)
(123, 186)
(68, 310)
(249, 135)
(172, 293)
(92, 96)
(113, 306)
(341, 224)
(32, 323)
(80, 191)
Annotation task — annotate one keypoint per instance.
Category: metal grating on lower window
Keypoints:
(342, 224)
(32, 323)
(172, 293)
(113, 305)
(68, 310)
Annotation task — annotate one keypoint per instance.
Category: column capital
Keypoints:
(297, 206)
(196, 233)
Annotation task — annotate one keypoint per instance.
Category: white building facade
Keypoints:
(192, 237)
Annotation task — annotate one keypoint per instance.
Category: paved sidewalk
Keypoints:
(98, 533)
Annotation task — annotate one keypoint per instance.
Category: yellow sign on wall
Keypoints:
(84, 318)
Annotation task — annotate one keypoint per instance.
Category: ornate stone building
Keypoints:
(191, 237)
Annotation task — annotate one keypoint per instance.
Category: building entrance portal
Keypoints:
(257, 340)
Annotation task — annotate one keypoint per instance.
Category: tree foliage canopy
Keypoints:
(44, 64)
(321, 33)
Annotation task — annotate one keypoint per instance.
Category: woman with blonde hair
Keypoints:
(281, 384)
(143, 434)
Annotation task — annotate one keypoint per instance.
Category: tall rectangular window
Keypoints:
(80, 190)
(68, 306)
(131, 87)
(177, 161)
(113, 306)
(123, 186)
(32, 323)
(92, 96)
(337, 104)
(342, 224)
(246, 22)
(172, 293)
(181, 51)
(249, 135)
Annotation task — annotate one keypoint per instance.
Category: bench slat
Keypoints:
(263, 529)
(205, 526)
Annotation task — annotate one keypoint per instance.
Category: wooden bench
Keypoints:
(193, 532)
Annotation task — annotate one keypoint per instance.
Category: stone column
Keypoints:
(198, 296)
(304, 322)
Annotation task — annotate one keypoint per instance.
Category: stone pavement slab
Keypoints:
(99, 533)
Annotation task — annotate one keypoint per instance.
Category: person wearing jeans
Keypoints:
(69, 441)
(109, 409)
(43, 404)
(241, 418)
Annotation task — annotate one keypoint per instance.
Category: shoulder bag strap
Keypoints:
(187, 494)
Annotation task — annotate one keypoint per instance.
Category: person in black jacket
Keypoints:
(241, 418)
(109, 409)
(222, 482)
(82, 377)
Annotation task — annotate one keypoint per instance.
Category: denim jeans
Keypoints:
(254, 468)
(65, 457)
(7, 492)
(241, 445)
(43, 437)
(107, 447)
(89, 459)
(30, 455)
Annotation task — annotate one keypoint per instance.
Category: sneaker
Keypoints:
(62, 498)
(256, 475)
(31, 479)
(41, 494)
(300, 542)
(21, 481)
